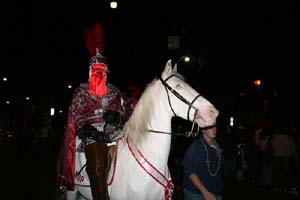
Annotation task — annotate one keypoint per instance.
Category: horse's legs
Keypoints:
(96, 155)
(71, 195)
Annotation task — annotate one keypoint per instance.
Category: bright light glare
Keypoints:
(231, 121)
(257, 82)
(52, 111)
(113, 4)
(186, 59)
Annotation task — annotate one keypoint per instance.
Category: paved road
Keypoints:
(30, 174)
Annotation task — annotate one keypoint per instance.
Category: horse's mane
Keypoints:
(136, 128)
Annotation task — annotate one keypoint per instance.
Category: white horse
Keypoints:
(140, 170)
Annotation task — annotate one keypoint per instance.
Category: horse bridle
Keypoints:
(169, 88)
(190, 104)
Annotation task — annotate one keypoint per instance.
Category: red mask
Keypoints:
(98, 80)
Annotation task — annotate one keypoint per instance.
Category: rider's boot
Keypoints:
(96, 154)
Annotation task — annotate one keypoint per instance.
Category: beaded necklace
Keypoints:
(207, 161)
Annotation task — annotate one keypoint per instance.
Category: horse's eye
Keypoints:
(178, 86)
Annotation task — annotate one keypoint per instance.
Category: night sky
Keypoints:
(43, 46)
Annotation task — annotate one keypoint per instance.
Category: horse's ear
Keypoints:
(168, 69)
(175, 68)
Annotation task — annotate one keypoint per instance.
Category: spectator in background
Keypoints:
(253, 155)
(136, 93)
(283, 148)
(24, 124)
(295, 135)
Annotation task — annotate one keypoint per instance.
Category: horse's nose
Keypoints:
(214, 112)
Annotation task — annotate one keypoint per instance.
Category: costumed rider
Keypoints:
(96, 114)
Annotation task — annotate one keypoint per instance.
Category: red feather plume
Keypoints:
(94, 38)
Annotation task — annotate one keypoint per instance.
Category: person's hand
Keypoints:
(209, 196)
(88, 131)
(112, 117)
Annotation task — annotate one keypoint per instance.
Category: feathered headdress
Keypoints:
(94, 41)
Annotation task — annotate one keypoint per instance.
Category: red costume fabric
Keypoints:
(85, 108)
(98, 80)
(136, 93)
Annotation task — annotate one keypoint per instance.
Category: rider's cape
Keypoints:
(84, 108)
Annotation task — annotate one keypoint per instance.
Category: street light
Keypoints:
(113, 4)
(187, 59)
(257, 82)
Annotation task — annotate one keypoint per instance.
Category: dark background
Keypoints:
(43, 49)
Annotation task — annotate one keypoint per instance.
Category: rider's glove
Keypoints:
(112, 117)
(89, 131)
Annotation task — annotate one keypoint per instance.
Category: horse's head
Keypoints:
(186, 102)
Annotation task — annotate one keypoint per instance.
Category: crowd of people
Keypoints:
(269, 156)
